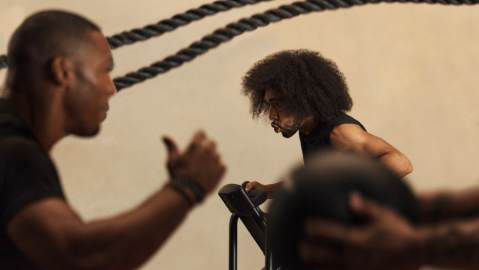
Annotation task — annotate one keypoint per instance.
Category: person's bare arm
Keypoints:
(353, 137)
(269, 189)
(390, 242)
(451, 244)
(446, 205)
(53, 236)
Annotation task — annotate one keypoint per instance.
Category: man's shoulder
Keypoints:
(348, 135)
(347, 129)
(19, 148)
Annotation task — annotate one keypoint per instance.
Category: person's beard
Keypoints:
(287, 132)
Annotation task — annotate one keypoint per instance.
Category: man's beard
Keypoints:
(287, 132)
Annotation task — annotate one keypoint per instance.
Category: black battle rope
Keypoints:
(232, 30)
(178, 20)
(168, 25)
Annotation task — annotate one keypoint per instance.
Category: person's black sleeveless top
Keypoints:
(319, 138)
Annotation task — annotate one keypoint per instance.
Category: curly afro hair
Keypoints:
(305, 82)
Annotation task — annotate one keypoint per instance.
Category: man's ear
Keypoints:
(61, 70)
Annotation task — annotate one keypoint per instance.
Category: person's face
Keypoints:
(86, 100)
(282, 120)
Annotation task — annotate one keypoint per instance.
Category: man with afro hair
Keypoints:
(302, 91)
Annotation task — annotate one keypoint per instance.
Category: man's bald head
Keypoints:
(40, 38)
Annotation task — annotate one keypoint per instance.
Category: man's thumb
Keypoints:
(365, 208)
(171, 147)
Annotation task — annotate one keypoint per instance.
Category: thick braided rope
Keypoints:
(235, 29)
(178, 20)
(168, 25)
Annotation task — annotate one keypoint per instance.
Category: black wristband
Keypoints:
(195, 188)
(182, 192)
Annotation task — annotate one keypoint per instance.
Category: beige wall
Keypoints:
(412, 71)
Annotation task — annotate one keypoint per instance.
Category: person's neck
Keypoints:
(308, 125)
(42, 113)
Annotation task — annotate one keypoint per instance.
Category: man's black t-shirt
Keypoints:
(319, 138)
(27, 175)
